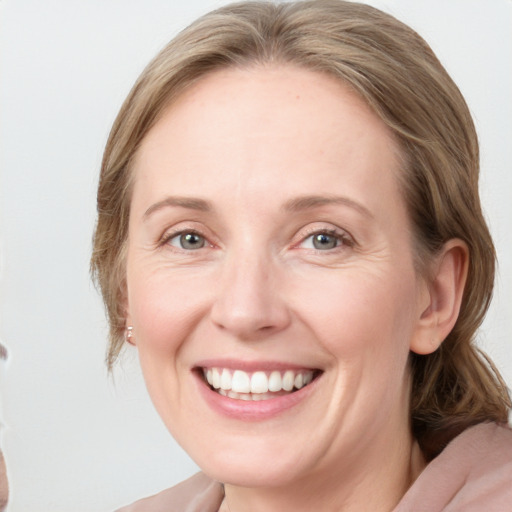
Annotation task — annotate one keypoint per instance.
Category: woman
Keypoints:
(289, 231)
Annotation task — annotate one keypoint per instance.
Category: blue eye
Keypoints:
(322, 241)
(189, 241)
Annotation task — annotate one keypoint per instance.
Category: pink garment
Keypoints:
(199, 493)
(472, 474)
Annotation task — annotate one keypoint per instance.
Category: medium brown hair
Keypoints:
(394, 70)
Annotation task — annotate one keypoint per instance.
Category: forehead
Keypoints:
(237, 128)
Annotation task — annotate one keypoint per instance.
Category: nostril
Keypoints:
(251, 318)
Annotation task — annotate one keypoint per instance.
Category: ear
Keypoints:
(442, 297)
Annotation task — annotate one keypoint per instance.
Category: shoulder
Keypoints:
(198, 493)
(473, 473)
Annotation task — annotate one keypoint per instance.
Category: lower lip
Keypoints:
(249, 410)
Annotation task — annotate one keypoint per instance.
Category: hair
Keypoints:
(394, 70)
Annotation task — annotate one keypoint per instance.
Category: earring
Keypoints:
(128, 334)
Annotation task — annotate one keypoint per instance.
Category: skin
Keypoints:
(250, 142)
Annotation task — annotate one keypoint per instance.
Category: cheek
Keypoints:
(360, 314)
(365, 322)
(164, 307)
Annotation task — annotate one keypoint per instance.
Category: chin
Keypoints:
(251, 473)
(250, 461)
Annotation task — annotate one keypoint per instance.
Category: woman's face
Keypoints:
(269, 245)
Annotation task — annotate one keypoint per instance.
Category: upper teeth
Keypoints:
(257, 382)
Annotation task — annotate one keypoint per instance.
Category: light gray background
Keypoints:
(74, 440)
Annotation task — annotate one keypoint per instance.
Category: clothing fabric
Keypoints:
(472, 474)
(199, 493)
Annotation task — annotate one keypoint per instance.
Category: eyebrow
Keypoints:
(309, 202)
(293, 205)
(192, 203)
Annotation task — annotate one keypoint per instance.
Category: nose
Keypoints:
(250, 302)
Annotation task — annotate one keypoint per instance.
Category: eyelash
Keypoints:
(168, 236)
(343, 239)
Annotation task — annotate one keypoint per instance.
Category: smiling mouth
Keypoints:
(259, 385)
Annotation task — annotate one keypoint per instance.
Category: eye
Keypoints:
(324, 241)
(188, 241)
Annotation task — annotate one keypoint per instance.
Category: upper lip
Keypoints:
(252, 366)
